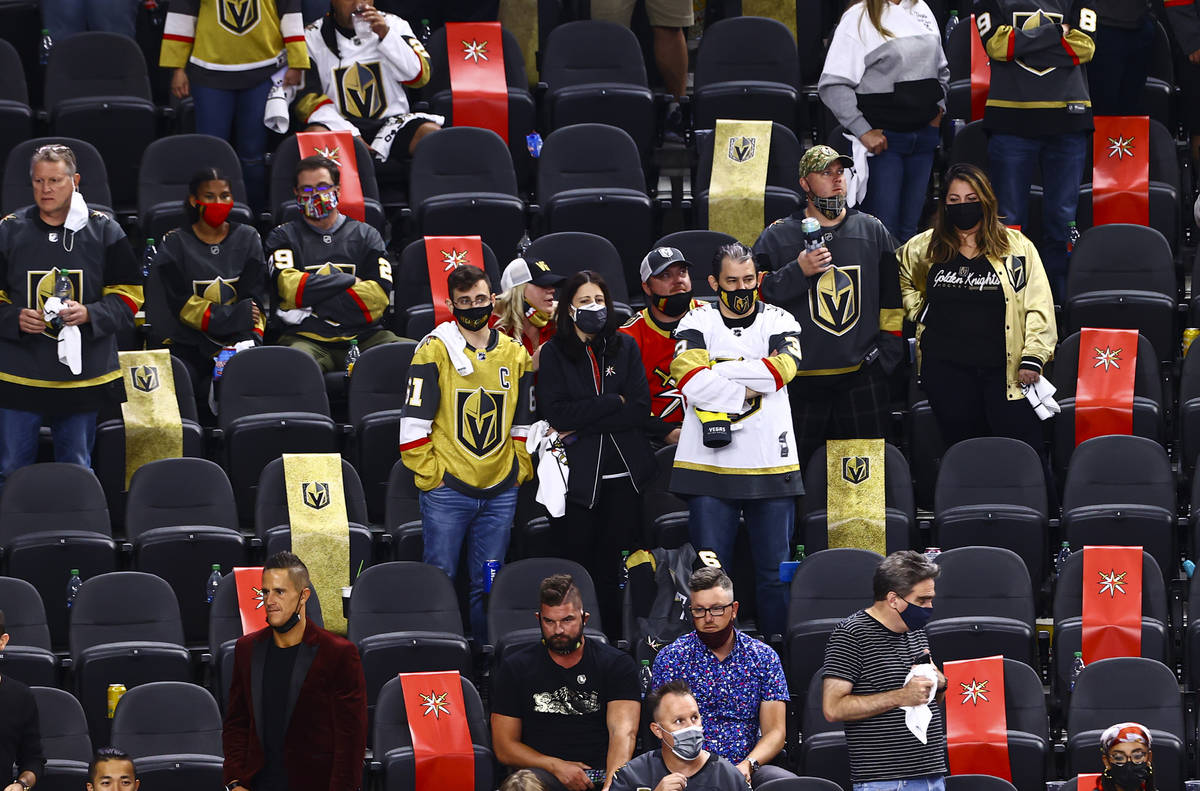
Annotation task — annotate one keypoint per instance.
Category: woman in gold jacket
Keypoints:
(984, 313)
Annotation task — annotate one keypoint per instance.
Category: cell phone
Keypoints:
(597, 776)
(923, 658)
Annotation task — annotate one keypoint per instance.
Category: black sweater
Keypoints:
(20, 737)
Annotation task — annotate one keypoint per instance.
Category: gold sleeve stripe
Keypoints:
(309, 103)
(421, 79)
(130, 294)
(370, 298)
(1000, 45)
(891, 319)
(688, 364)
(195, 313)
(288, 283)
(5, 298)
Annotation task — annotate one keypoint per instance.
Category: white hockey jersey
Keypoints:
(714, 364)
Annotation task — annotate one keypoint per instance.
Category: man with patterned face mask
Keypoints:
(834, 268)
(331, 272)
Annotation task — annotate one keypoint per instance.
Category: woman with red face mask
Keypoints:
(208, 286)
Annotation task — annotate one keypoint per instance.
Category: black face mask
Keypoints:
(591, 319)
(1129, 776)
(964, 216)
(473, 318)
(290, 623)
(674, 305)
(740, 300)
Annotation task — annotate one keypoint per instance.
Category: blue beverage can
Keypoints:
(490, 569)
(222, 357)
(533, 141)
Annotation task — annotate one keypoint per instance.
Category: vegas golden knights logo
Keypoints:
(480, 420)
(741, 149)
(329, 268)
(834, 303)
(1017, 276)
(39, 285)
(1029, 21)
(856, 469)
(360, 90)
(238, 16)
(145, 378)
(219, 291)
(315, 494)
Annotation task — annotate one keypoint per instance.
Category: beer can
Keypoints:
(1189, 335)
(115, 691)
(490, 568)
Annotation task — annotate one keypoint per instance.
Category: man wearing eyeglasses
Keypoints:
(738, 681)
(331, 272)
(842, 284)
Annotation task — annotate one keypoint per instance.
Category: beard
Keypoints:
(564, 643)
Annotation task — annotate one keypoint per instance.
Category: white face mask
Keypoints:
(687, 742)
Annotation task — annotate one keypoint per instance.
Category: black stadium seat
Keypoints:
(1029, 744)
(978, 783)
(1188, 419)
(65, 740)
(799, 784)
(823, 750)
(172, 730)
(900, 511)
(782, 196)
(27, 657)
(414, 299)
(93, 175)
(747, 67)
(568, 252)
(376, 396)
(403, 505)
(168, 164)
(282, 199)
(698, 247)
(513, 603)
(16, 116)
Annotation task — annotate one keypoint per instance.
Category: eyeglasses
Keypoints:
(478, 302)
(314, 190)
(1137, 756)
(716, 612)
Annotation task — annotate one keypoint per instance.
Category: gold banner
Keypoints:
(520, 17)
(780, 10)
(320, 528)
(153, 428)
(739, 178)
(856, 495)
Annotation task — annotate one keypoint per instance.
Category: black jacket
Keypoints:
(581, 393)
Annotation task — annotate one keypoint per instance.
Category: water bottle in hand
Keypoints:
(214, 582)
(73, 586)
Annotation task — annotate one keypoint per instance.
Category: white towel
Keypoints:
(917, 718)
(70, 351)
(1041, 396)
(552, 471)
(447, 332)
(857, 188)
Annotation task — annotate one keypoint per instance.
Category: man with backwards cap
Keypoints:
(1125, 751)
(667, 284)
(525, 307)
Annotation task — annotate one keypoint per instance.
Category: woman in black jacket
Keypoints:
(592, 387)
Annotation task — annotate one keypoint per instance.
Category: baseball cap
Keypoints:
(519, 272)
(820, 157)
(658, 259)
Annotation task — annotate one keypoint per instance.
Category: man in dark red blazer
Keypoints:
(297, 716)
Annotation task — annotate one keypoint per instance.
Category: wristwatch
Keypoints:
(754, 766)
(24, 785)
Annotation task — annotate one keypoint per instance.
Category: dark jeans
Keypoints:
(846, 406)
(969, 401)
(73, 435)
(899, 178)
(237, 116)
(1117, 72)
(67, 17)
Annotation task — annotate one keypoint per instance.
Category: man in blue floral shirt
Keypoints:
(737, 680)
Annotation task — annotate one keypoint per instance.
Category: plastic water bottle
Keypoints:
(1076, 668)
(73, 586)
(951, 23)
(798, 555)
(1060, 559)
(645, 677)
(523, 243)
(1072, 235)
(46, 46)
(931, 553)
(149, 253)
(62, 290)
(623, 579)
(214, 582)
(424, 31)
(352, 357)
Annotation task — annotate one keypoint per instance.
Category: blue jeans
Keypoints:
(67, 17)
(926, 783)
(230, 114)
(898, 179)
(448, 517)
(73, 438)
(713, 524)
(1062, 160)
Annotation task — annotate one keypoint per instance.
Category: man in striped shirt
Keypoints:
(866, 684)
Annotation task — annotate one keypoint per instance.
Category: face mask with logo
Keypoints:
(915, 617)
(474, 318)
(214, 214)
(590, 318)
(740, 301)
(318, 205)
(687, 742)
(675, 304)
(535, 316)
(964, 216)
(831, 207)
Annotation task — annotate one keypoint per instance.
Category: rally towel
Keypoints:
(153, 428)
(441, 735)
(1112, 602)
(855, 494)
(338, 147)
(1121, 169)
(1104, 391)
(739, 178)
(981, 74)
(320, 528)
(248, 581)
(478, 88)
(976, 722)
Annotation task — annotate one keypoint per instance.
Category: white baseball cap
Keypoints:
(519, 271)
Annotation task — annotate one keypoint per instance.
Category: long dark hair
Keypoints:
(992, 237)
(572, 346)
(199, 178)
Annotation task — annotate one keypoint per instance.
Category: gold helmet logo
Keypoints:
(480, 415)
(315, 494)
(144, 378)
(834, 302)
(1017, 275)
(238, 16)
(1029, 21)
(218, 292)
(741, 149)
(856, 469)
(361, 88)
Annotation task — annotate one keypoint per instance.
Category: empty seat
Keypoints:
(27, 657)
(925, 444)
(899, 510)
(782, 194)
(984, 606)
(168, 165)
(571, 251)
(978, 783)
(513, 602)
(376, 396)
(283, 204)
(823, 751)
(93, 175)
(173, 731)
(65, 740)
(799, 784)
(746, 67)
(414, 298)
(698, 247)
(403, 504)
(1189, 411)
(658, 503)
(16, 116)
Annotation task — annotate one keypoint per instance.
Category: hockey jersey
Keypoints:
(233, 35)
(658, 349)
(333, 285)
(468, 430)
(209, 287)
(714, 364)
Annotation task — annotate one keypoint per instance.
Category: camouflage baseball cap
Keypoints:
(818, 158)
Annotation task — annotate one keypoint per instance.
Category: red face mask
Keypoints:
(214, 214)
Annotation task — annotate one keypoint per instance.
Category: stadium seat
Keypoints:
(658, 501)
(522, 113)
(27, 657)
(1128, 689)
(978, 783)
(1123, 276)
(568, 252)
(698, 247)
(782, 196)
(16, 116)
(65, 740)
(108, 452)
(1029, 745)
(925, 444)
(1191, 640)
(376, 396)
(799, 784)
(513, 603)
(392, 741)
(958, 56)
(53, 519)
(414, 299)
(93, 175)
(1189, 412)
(829, 586)
(984, 606)
(747, 67)
(1068, 621)
(272, 402)
(282, 199)
(463, 183)
(402, 505)
(823, 750)
(173, 731)
(970, 145)
(593, 72)
(181, 521)
(168, 165)
(590, 179)
(273, 524)
(125, 629)
(404, 618)
(1120, 490)
(1158, 94)
(900, 512)
(991, 491)
(98, 89)
(408, 541)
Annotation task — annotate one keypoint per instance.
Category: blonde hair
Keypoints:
(521, 780)
(992, 237)
(873, 10)
(510, 311)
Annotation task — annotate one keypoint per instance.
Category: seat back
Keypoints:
(50, 497)
(978, 783)
(568, 252)
(93, 173)
(698, 248)
(1119, 469)
(283, 174)
(170, 162)
(832, 584)
(179, 492)
(898, 493)
(24, 615)
(12, 75)
(271, 505)
(168, 717)
(1068, 592)
(124, 606)
(1147, 379)
(991, 471)
(747, 49)
(1124, 689)
(592, 51)
(63, 725)
(983, 581)
(95, 64)
(462, 159)
(380, 380)
(513, 603)
(403, 596)
(391, 718)
(439, 77)
(783, 160)
(1121, 256)
(412, 279)
(1024, 699)
(269, 379)
(588, 156)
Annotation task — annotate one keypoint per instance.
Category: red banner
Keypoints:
(1104, 391)
(1087, 782)
(441, 737)
(1112, 602)
(338, 147)
(981, 74)
(479, 90)
(443, 254)
(1121, 169)
(976, 725)
(248, 581)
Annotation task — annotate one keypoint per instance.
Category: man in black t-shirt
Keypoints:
(566, 705)
(20, 737)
